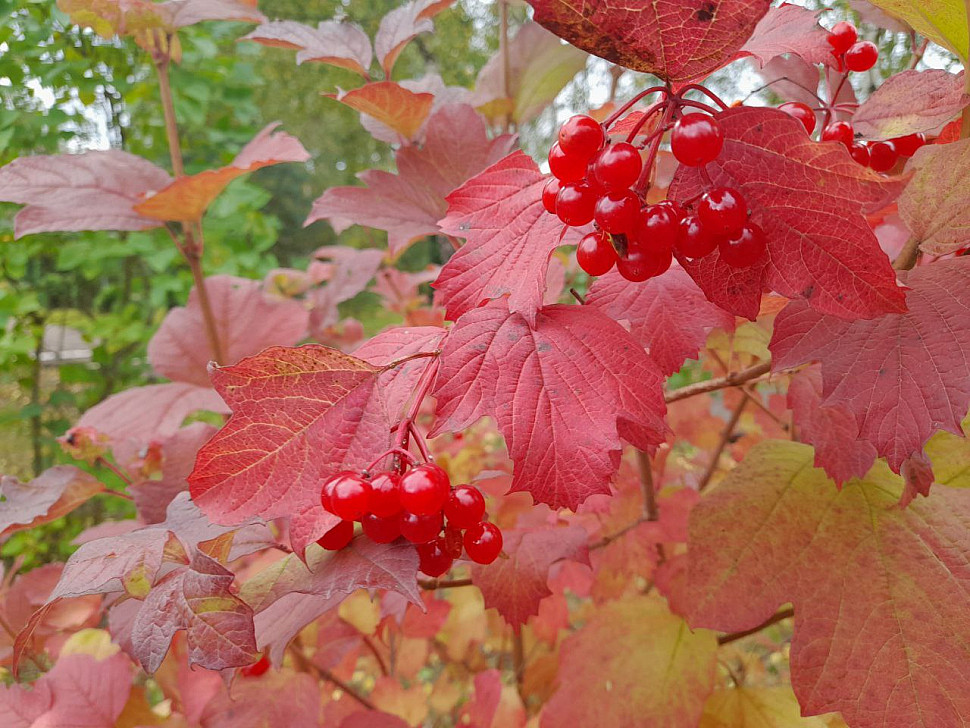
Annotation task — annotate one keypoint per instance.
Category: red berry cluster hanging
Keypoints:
(880, 156)
(419, 505)
(851, 53)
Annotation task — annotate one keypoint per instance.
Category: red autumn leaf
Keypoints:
(789, 29)
(90, 191)
(409, 204)
(390, 104)
(736, 290)
(516, 586)
(347, 273)
(911, 102)
(247, 321)
(181, 13)
(633, 664)
(671, 39)
(563, 393)
(859, 571)
(668, 314)
(54, 493)
(430, 83)
(338, 44)
(187, 198)
(902, 376)
(509, 237)
(832, 430)
(372, 719)
(809, 198)
(398, 384)
(195, 598)
(401, 25)
(278, 698)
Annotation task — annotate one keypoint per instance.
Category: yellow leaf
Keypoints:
(94, 642)
(360, 611)
(942, 21)
(760, 708)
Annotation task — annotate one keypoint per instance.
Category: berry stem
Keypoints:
(697, 105)
(793, 82)
(392, 451)
(645, 174)
(643, 120)
(411, 357)
(420, 392)
(629, 104)
(105, 463)
(704, 90)
(419, 441)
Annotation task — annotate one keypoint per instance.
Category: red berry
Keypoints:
(723, 211)
(907, 146)
(676, 210)
(657, 229)
(549, 193)
(642, 262)
(861, 56)
(694, 240)
(839, 131)
(424, 489)
(802, 112)
(860, 153)
(452, 541)
(256, 669)
(596, 254)
(618, 166)
(385, 495)
(338, 536)
(841, 37)
(575, 203)
(745, 248)
(882, 156)
(483, 543)
(433, 559)
(581, 136)
(696, 139)
(617, 212)
(420, 529)
(381, 530)
(465, 506)
(350, 497)
(566, 167)
(326, 492)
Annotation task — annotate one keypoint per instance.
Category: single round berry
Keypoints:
(326, 491)
(424, 489)
(549, 193)
(745, 248)
(420, 529)
(618, 166)
(723, 211)
(839, 131)
(385, 495)
(483, 543)
(576, 203)
(256, 669)
(641, 262)
(882, 156)
(907, 146)
(581, 136)
(465, 506)
(860, 153)
(433, 559)
(350, 497)
(802, 112)
(842, 36)
(696, 139)
(381, 530)
(861, 56)
(596, 254)
(566, 167)
(617, 212)
(657, 229)
(675, 209)
(452, 541)
(693, 239)
(338, 536)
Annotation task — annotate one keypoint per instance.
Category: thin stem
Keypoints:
(411, 357)
(119, 494)
(909, 254)
(793, 82)
(781, 616)
(650, 511)
(419, 441)
(518, 661)
(432, 584)
(421, 391)
(392, 451)
(168, 110)
(722, 443)
(643, 120)
(697, 105)
(503, 49)
(306, 665)
(646, 172)
(607, 540)
(704, 90)
(208, 317)
(629, 104)
(105, 463)
(751, 394)
(918, 51)
(377, 655)
(711, 385)
(578, 296)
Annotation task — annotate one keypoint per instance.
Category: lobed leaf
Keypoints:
(52, 494)
(344, 45)
(934, 204)
(910, 102)
(392, 105)
(942, 21)
(402, 25)
(789, 29)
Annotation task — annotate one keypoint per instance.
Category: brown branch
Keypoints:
(377, 655)
(711, 385)
(431, 584)
(503, 49)
(651, 511)
(168, 111)
(909, 254)
(211, 330)
(725, 438)
(307, 665)
(781, 616)
(748, 392)
(518, 662)
(607, 540)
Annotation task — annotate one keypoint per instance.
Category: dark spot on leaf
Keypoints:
(706, 13)
(882, 372)
(807, 293)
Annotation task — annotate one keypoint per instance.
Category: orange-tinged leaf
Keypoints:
(54, 493)
(934, 204)
(401, 25)
(344, 45)
(911, 102)
(744, 707)
(391, 104)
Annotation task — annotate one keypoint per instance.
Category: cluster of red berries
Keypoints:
(420, 506)
(851, 53)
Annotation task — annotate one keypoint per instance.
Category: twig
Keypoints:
(432, 584)
(751, 394)
(168, 110)
(712, 385)
(918, 51)
(578, 296)
(377, 655)
(651, 511)
(725, 438)
(306, 665)
(208, 317)
(518, 661)
(105, 463)
(909, 254)
(503, 49)
(607, 540)
(781, 616)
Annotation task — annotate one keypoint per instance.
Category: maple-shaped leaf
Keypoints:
(182, 13)
(401, 25)
(442, 95)
(736, 290)
(54, 493)
(674, 40)
(758, 707)
(668, 314)
(902, 376)
(392, 105)
(911, 102)
(134, 17)
(89, 191)
(398, 384)
(509, 237)
(333, 42)
(858, 570)
(515, 586)
(938, 20)
(80, 691)
(409, 204)
(822, 248)
(281, 698)
(187, 198)
(247, 321)
(538, 67)
(650, 669)
(933, 206)
(789, 29)
(563, 392)
(346, 272)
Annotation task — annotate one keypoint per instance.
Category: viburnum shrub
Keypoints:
(525, 504)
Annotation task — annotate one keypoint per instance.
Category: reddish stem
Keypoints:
(644, 119)
(629, 104)
(644, 181)
(419, 441)
(704, 90)
(392, 451)
(420, 392)
(697, 105)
